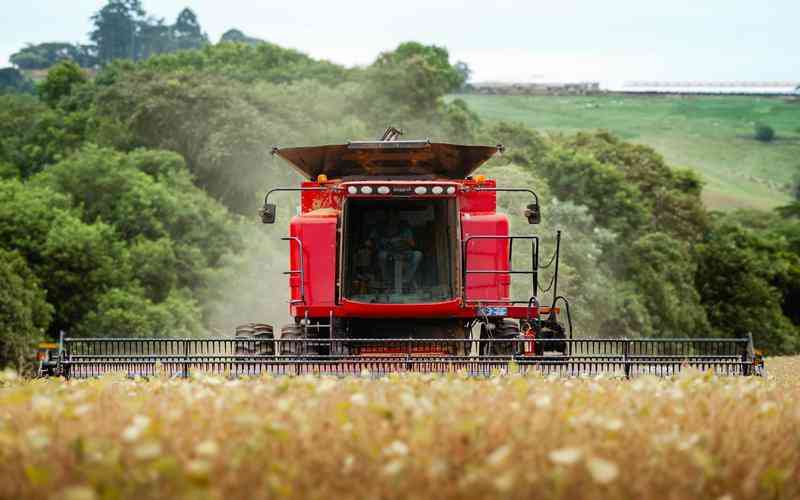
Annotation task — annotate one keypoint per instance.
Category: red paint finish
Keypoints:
(478, 201)
(317, 232)
(318, 237)
(486, 255)
(355, 309)
(448, 309)
(314, 200)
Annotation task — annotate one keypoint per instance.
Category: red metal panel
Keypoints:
(356, 309)
(314, 200)
(486, 255)
(447, 309)
(317, 234)
(478, 201)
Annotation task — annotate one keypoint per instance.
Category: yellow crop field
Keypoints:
(694, 436)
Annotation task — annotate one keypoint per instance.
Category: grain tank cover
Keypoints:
(387, 158)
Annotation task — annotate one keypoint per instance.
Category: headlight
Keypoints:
(352, 190)
(421, 190)
(366, 190)
(383, 190)
(437, 190)
(451, 190)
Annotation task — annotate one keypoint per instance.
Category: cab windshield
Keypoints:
(399, 251)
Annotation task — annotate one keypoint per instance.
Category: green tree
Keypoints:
(12, 80)
(116, 30)
(764, 133)
(148, 195)
(408, 82)
(237, 36)
(104, 230)
(739, 277)
(223, 128)
(73, 260)
(464, 72)
(32, 135)
(60, 81)
(523, 145)
(580, 177)
(24, 312)
(670, 198)
(44, 55)
(186, 33)
(154, 38)
(446, 77)
(127, 312)
(663, 271)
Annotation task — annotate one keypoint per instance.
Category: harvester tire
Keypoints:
(551, 337)
(292, 333)
(504, 329)
(255, 339)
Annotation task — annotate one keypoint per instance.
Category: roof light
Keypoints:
(322, 178)
(451, 190)
(366, 190)
(421, 190)
(383, 190)
(352, 189)
(437, 190)
(480, 178)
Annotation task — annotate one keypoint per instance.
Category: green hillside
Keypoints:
(713, 135)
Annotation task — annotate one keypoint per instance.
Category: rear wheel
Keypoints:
(255, 339)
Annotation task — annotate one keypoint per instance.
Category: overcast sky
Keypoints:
(501, 40)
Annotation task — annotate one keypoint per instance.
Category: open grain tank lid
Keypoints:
(387, 158)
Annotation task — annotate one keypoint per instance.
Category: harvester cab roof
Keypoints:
(387, 159)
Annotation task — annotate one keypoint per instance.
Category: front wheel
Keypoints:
(293, 340)
(551, 337)
(254, 339)
(505, 329)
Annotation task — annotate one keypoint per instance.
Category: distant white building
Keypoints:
(702, 87)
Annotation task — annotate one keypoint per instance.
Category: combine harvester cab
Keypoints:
(400, 262)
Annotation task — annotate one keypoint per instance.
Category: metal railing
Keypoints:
(533, 272)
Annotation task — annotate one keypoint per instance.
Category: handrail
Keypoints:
(300, 271)
(534, 272)
(510, 190)
(282, 189)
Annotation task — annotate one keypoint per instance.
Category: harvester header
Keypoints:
(399, 261)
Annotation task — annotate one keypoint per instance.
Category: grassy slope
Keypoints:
(713, 135)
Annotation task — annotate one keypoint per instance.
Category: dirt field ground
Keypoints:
(695, 436)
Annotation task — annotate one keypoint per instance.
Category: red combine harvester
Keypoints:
(399, 261)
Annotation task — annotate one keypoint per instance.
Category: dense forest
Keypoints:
(128, 194)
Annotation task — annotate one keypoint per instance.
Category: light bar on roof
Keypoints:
(403, 190)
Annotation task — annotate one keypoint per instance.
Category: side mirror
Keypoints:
(268, 213)
(533, 213)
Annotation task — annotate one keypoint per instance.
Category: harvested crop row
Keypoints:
(696, 436)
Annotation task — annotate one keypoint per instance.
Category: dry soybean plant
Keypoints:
(693, 436)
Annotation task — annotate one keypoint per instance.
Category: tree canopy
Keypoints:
(44, 55)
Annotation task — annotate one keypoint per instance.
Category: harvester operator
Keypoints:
(395, 241)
